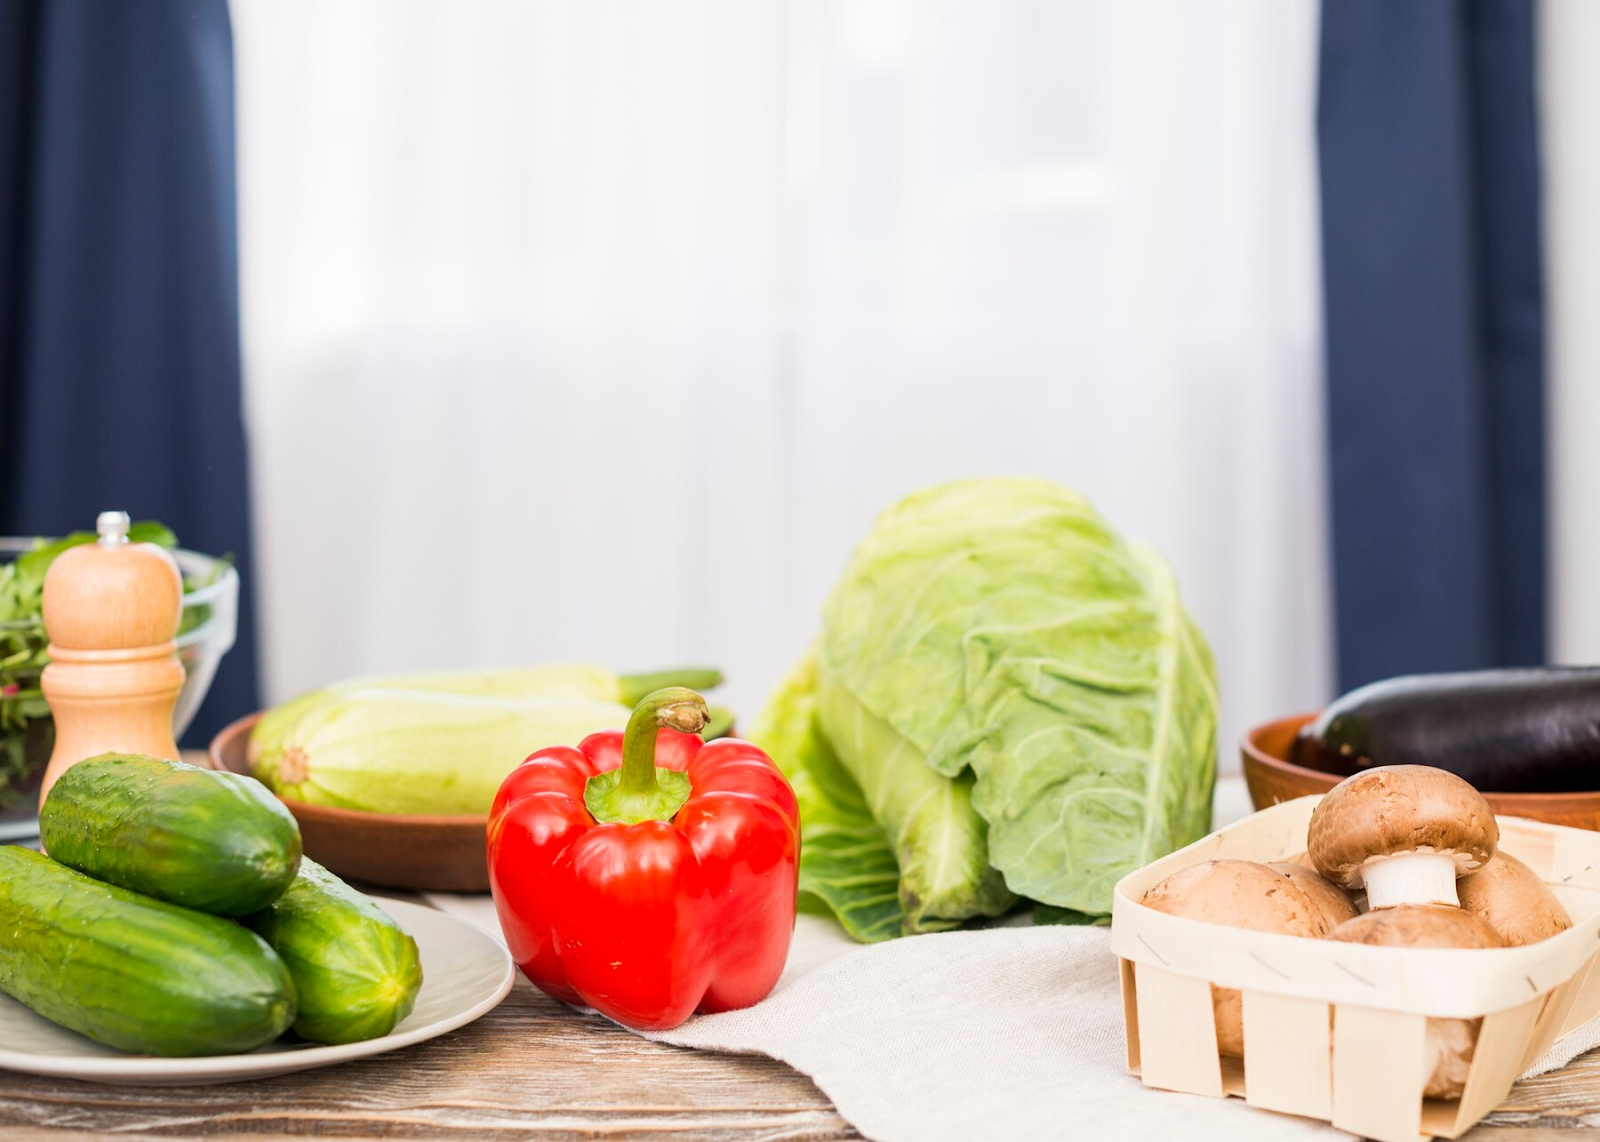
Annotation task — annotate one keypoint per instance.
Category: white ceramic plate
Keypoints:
(465, 974)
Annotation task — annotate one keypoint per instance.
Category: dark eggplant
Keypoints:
(1525, 730)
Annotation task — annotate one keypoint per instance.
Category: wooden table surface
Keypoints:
(530, 1068)
(536, 1068)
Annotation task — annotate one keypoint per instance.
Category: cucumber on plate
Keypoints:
(356, 971)
(132, 972)
(215, 842)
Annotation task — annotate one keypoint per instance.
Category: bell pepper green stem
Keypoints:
(640, 790)
(674, 706)
(634, 688)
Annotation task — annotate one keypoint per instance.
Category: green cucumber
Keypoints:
(215, 842)
(356, 971)
(132, 972)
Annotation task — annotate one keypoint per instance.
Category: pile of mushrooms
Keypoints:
(1398, 855)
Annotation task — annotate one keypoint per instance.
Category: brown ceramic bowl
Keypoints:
(424, 854)
(1272, 778)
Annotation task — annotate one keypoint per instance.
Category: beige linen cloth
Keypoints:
(1008, 1032)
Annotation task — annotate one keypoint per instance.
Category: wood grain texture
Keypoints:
(531, 1068)
(1548, 1106)
(534, 1068)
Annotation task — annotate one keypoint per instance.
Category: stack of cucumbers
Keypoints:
(175, 915)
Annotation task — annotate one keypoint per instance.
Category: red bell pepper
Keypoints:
(645, 873)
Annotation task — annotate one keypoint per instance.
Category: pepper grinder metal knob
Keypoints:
(111, 611)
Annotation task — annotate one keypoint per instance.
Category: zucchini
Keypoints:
(356, 971)
(442, 743)
(215, 842)
(132, 972)
(1524, 730)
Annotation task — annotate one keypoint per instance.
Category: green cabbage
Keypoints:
(1006, 700)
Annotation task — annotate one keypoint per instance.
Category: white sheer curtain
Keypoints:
(602, 330)
(1570, 145)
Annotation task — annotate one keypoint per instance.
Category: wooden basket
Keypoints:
(1366, 1075)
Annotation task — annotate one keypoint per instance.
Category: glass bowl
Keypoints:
(206, 632)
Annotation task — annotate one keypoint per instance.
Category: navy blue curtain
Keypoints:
(1435, 347)
(119, 309)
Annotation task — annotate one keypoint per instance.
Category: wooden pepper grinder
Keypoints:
(111, 609)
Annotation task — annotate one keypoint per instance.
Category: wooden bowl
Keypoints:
(424, 854)
(1272, 778)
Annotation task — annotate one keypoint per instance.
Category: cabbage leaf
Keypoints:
(846, 864)
(1022, 703)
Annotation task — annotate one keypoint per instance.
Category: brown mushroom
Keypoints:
(1325, 896)
(1238, 894)
(1404, 833)
(1509, 896)
(1450, 1042)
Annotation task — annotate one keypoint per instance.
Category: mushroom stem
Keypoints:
(1411, 878)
